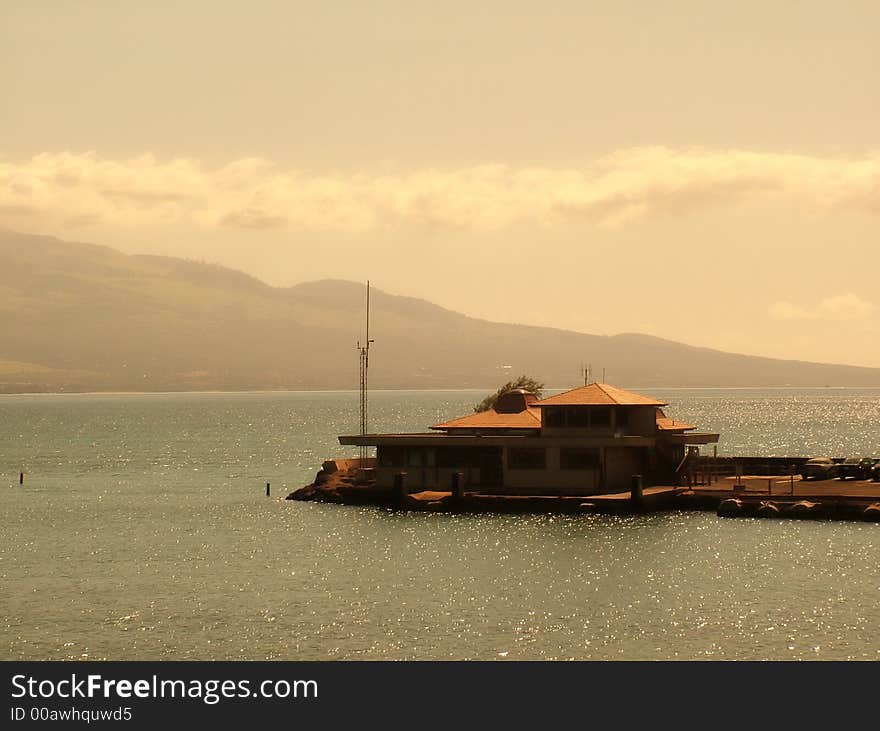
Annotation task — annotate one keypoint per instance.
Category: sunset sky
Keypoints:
(702, 171)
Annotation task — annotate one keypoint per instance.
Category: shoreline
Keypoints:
(415, 390)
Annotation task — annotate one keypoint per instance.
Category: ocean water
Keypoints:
(143, 531)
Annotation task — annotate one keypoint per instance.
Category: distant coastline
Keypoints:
(80, 318)
(470, 389)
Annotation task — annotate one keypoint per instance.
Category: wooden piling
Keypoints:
(636, 495)
(457, 485)
(400, 487)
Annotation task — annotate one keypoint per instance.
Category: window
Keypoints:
(578, 459)
(414, 457)
(458, 457)
(390, 456)
(600, 417)
(527, 459)
(578, 418)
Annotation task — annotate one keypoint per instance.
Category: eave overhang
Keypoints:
(692, 438)
(488, 440)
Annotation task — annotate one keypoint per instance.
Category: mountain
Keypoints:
(80, 317)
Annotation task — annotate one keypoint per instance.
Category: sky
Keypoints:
(705, 172)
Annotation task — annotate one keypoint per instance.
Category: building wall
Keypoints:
(553, 479)
(427, 478)
(613, 472)
(572, 482)
(642, 421)
(621, 464)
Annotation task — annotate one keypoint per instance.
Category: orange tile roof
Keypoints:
(673, 425)
(530, 417)
(664, 423)
(599, 394)
(526, 419)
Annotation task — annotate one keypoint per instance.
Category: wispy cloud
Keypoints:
(86, 189)
(847, 306)
(787, 311)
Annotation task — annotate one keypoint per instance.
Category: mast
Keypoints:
(364, 360)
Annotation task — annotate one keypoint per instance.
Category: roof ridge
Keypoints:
(576, 388)
(562, 393)
(598, 393)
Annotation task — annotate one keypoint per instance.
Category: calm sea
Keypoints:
(143, 532)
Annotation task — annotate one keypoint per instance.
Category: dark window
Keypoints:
(527, 459)
(581, 417)
(390, 456)
(458, 457)
(622, 418)
(554, 418)
(414, 457)
(578, 459)
(578, 418)
(600, 417)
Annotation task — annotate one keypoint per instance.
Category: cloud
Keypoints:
(847, 306)
(787, 311)
(64, 188)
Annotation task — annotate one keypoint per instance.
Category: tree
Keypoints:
(526, 383)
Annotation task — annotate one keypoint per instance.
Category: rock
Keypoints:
(768, 509)
(803, 508)
(309, 492)
(730, 508)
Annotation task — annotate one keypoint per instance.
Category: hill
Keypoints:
(80, 317)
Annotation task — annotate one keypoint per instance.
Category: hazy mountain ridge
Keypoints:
(82, 317)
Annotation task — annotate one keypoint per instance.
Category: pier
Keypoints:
(596, 448)
(783, 496)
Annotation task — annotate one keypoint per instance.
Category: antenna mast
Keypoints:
(364, 357)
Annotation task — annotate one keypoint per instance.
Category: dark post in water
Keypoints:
(400, 486)
(635, 493)
(267, 489)
(457, 485)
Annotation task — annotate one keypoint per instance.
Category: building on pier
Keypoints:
(588, 440)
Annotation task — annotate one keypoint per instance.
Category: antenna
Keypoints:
(364, 358)
(603, 375)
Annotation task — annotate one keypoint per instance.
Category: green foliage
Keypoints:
(527, 383)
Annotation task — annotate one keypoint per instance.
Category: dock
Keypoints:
(787, 496)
